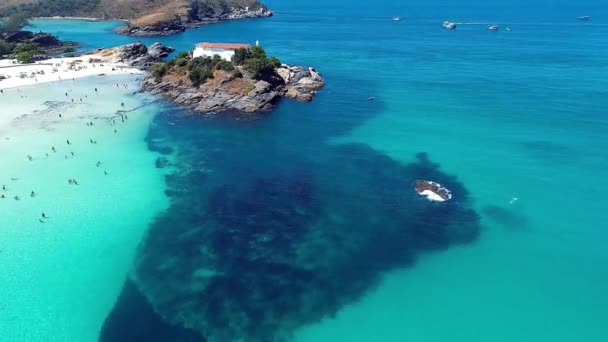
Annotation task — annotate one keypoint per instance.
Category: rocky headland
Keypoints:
(197, 13)
(31, 46)
(213, 85)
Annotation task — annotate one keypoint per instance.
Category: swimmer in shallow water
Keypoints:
(44, 216)
(33, 194)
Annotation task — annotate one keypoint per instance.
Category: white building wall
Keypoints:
(206, 52)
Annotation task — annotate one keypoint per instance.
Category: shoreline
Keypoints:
(60, 69)
(57, 17)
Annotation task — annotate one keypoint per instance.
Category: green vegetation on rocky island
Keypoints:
(200, 69)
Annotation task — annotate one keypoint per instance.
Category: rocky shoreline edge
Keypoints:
(164, 25)
(224, 91)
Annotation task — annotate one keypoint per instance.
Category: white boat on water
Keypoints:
(494, 28)
(449, 25)
(396, 18)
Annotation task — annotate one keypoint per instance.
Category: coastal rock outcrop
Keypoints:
(206, 12)
(46, 45)
(226, 92)
(153, 25)
(301, 83)
(197, 13)
(139, 55)
(159, 50)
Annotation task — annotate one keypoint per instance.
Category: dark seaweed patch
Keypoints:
(133, 319)
(256, 258)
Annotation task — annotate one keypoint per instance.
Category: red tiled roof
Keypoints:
(225, 46)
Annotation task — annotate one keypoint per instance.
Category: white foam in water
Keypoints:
(60, 278)
(431, 196)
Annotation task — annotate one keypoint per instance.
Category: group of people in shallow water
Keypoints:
(71, 181)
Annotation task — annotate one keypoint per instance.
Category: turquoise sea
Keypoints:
(301, 224)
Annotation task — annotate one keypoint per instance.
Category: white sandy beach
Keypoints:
(14, 75)
(61, 275)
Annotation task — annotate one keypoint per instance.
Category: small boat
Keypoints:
(493, 28)
(396, 18)
(508, 29)
(584, 17)
(449, 25)
(433, 191)
(371, 98)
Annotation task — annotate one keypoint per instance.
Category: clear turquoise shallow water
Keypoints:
(510, 114)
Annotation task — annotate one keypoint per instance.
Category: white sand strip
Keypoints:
(14, 75)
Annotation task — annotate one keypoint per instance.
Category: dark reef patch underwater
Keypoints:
(270, 227)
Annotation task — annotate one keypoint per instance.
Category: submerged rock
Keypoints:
(433, 191)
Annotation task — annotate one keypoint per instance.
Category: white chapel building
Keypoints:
(224, 50)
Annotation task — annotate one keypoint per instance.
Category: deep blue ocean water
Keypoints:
(301, 223)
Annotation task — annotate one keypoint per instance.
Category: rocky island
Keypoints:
(248, 82)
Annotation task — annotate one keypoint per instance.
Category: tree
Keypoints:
(259, 68)
(200, 75)
(26, 47)
(25, 57)
(5, 48)
(275, 62)
(159, 70)
(258, 52)
(240, 56)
